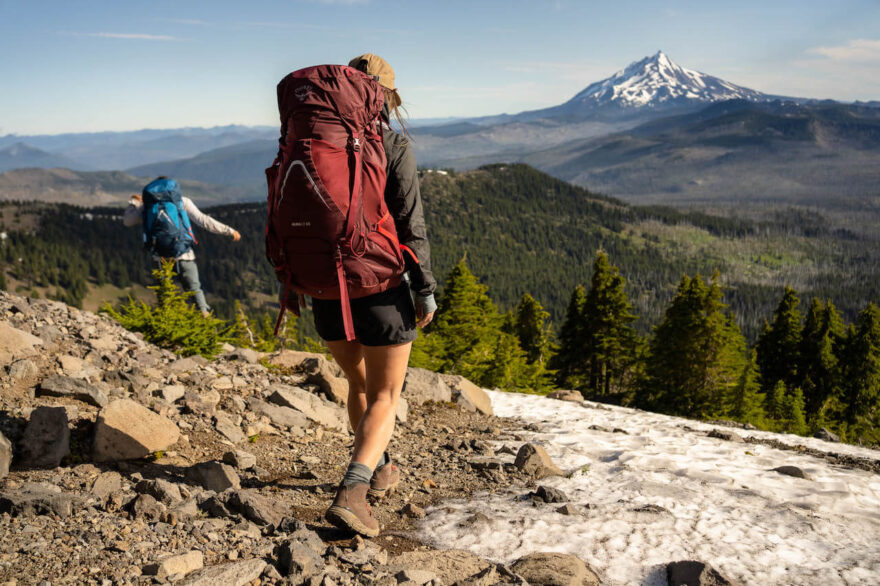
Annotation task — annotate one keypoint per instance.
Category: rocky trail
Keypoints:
(121, 463)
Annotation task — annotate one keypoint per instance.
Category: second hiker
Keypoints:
(165, 216)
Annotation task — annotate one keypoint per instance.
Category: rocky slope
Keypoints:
(121, 463)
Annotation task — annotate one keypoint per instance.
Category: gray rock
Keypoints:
(22, 369)
(555, 569)
(827, 435)
(46, 440)
(182, 365)
(232, 574)
(37, 499)
(726, 435)
(284, 417)
(792, 471)
(161, 490)
(650, 508)
(549, 494)
(227, 429)
(570, 510)
(424, 386)
(214, 476)
(147, 508)
(402, 410)
(74, 388)
(257, 508)
(467, 395)
(694, 573)
(172, 393)
(15, 344)
(364, 553)
(313, 407)
(412, 511)
(240, 459)
(106, 483)
(566, 395)
(5, 455)
(187, 509)
(534, 461)
(297, 530)
(298, 561)
(180, 565)
(244, 355)
(127, 430)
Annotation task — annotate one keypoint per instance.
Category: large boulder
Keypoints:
(57, 385)
(126, 430)
(312, 406)
(424, 386)
(535, 461)
(5, 455)
(468, 395)
(15, 344)
(46, 439)
(555, 569)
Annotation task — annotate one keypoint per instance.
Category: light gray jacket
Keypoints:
(134, 216)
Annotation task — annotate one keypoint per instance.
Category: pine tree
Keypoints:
(775, 400)
(569, 361)
(779, 344)
(862, 376)
(173, 323)
(532, 330)
(744, 402)
(610, 342)
(818, 372)
(697, 354)
(793, 419)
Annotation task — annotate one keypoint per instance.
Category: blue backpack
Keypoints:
(167, 231)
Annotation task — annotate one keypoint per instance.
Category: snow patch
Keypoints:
(723, 502)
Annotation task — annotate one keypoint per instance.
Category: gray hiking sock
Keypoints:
(383, 460)
(357, 473)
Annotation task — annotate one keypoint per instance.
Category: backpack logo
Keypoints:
(303, 92)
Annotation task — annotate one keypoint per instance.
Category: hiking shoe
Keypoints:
(351, 511)
(385, 480)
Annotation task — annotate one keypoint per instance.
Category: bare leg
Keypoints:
(386, 370)
(350, 357)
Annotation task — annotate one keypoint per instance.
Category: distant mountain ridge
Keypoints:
(19, 155)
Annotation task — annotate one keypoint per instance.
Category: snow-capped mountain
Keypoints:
(657, 81)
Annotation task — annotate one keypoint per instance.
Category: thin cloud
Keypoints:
(126, 36)
(855, 51)
(193, 21)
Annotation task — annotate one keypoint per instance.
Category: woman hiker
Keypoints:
(385, 326)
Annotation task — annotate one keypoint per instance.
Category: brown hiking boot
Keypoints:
(385, 480)
(351, 511)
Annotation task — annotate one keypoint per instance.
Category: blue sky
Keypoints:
(90, 65)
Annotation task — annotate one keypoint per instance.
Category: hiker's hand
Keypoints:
(424, 320)
(236, 236)
(135, 198)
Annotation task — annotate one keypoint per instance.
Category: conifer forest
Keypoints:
(769, 321)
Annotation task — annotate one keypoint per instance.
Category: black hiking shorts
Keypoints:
(382, 319)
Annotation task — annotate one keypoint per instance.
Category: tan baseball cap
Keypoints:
(377, 67)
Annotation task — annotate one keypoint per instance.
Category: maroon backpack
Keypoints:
(329, 234)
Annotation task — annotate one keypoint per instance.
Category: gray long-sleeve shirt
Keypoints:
(134, 216)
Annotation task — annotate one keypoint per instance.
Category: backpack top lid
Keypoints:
(162, 189)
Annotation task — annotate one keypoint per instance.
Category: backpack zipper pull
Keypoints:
(356, 145)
